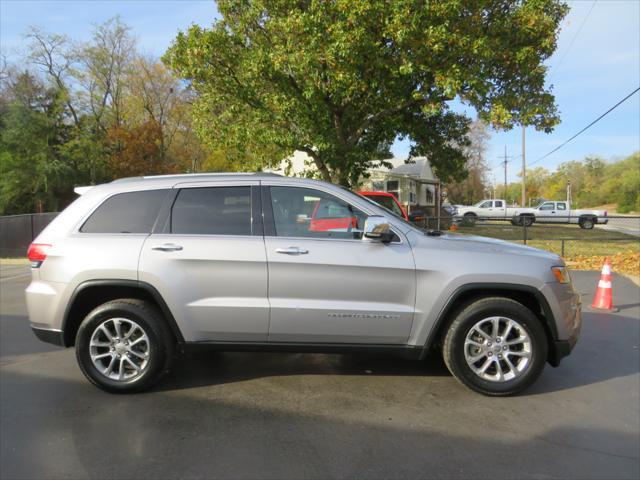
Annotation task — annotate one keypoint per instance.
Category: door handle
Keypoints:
(167, 247)
(292, 251)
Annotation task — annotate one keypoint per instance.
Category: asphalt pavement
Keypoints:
(268, 415)
(623, 224)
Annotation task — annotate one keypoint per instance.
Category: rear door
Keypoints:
(562, 212)
(329, 285)
(499, 209)
(207, 260)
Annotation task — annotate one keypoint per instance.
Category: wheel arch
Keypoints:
(92, 293)
(527, 295)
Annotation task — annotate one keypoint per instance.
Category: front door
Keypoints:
(326, 284)
(209, 264)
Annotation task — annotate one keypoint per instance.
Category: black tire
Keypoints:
(161, 344)
(526, 220)
(587, 223)
(470, 218)
(466, 318)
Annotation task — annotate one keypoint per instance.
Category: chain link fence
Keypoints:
(18, 231)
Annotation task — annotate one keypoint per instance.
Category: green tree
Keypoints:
(30, 170)
(337, 79)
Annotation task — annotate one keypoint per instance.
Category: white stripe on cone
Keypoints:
(603, 284)
(606, 270)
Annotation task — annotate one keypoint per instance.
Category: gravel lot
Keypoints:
(246, 415)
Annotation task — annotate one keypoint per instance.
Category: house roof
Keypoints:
(419, 168)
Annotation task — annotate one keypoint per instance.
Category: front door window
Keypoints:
(304, 212)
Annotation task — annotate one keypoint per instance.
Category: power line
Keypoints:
(566, 52)
(588, 126)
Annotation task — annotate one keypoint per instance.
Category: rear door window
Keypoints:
(212, 211)
(130, 212)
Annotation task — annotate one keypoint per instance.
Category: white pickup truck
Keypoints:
(546, 212)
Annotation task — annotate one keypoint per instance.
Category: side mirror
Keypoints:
(377, 228)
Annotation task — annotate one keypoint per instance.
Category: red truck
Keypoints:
(329, 216)
(388, 201)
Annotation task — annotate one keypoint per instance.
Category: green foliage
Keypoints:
(624, 183)
(594, 182)
(84, 114)
(338, 79)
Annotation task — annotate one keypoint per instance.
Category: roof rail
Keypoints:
(191, 175)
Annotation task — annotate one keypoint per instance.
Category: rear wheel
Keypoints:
(587, 223)
(495, 346)
(124, 346)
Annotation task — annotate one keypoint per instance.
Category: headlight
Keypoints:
(561, 274)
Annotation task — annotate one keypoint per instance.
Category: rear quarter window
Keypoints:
(130, 212)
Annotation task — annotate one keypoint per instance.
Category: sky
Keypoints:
(597, 64)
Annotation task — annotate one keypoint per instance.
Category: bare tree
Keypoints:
(106, 61)
(54, 55)
(473, 187)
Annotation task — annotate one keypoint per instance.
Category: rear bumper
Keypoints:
(55, 337)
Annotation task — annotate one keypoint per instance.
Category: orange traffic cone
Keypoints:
(604, 293)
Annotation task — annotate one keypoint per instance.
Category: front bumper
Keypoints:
(566, 311)
(561, 349)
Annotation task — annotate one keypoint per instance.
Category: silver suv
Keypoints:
(141, 268)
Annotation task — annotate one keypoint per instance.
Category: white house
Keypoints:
(414, 184)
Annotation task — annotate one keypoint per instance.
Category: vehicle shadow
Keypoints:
(607, 349)
(198, 369)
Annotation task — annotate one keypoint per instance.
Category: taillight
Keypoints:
(37, 253)
(605, 213)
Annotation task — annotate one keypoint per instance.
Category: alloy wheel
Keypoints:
(120, 349)
(498, 349)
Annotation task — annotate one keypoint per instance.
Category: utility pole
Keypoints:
(505, 174)
(524, 170)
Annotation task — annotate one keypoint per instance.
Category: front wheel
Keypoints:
(470, 218)
(124, 346)
(495, 346)
(526, 220)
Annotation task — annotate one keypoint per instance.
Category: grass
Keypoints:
(14, 261)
